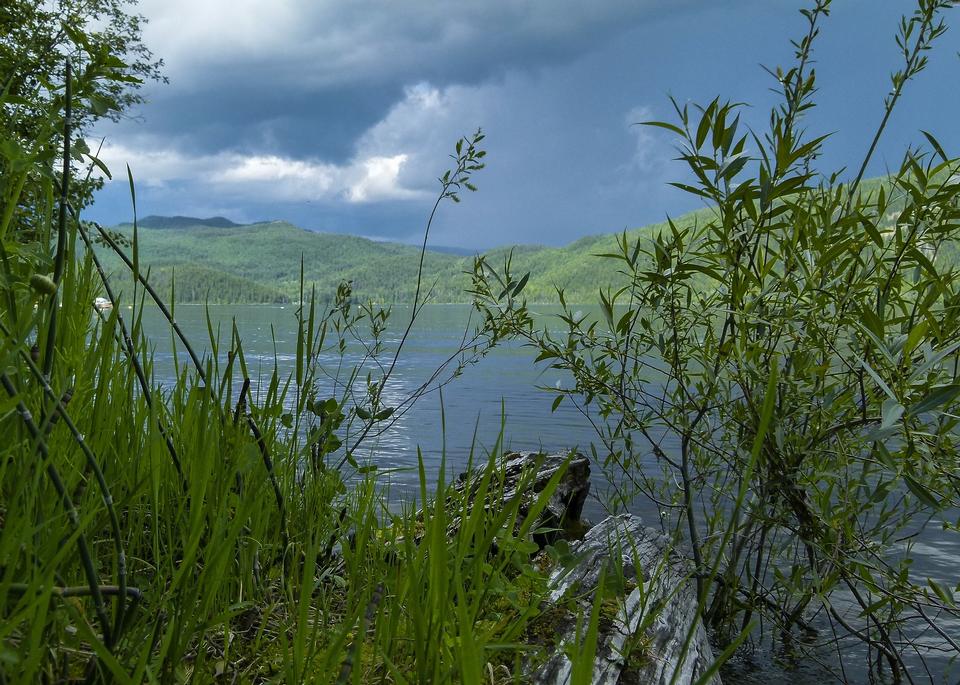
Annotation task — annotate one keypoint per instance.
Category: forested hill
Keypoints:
(219, 261)
(185, 222)
(261, 263)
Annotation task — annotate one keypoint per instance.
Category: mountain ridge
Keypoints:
(161, 221)
(263, 261)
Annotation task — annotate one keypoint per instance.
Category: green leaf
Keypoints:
(78, 37)
(383, 414)
(706, 270)
(938, 397)
(523, 282)
(100, 165)
(703, 128)
(933, 361)
(914, 338)
(99, 105)
(546, 354)
(891, 413)
(879, 381)
(872, 608)
(936, 146)
(662, 124)
(945, 596)
(922, 492)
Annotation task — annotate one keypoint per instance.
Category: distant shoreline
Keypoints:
(282, 305)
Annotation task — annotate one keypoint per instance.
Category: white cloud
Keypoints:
(398, 158)
(379, 180)
(266, 177)
(424, 126)
(280, 178)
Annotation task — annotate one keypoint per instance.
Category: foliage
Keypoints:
(101, 42)
(781, 376)
(193, 283)
(101, 39)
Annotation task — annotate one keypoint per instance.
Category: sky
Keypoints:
(340, 116)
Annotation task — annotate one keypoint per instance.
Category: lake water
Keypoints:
(502, 391)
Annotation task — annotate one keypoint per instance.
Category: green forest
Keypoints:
(260, 262)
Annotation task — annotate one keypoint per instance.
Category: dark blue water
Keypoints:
(497, 396)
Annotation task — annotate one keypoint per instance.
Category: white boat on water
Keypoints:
(102, 303)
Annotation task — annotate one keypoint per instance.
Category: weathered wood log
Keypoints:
(649, 604)
(525, 475)
(656, 608)
(662, 604)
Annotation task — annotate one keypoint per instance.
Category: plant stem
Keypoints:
(60, 257)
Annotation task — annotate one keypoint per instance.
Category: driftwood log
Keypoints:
(655, 607)
(662, 604)
(564, 509)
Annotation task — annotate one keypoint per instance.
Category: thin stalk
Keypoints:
(72, 513)
(449, 184)
(690, 515)
(132, 352)
(60, 257)
(908, 72)
(413, 318)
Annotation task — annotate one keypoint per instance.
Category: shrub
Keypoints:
(781, 376)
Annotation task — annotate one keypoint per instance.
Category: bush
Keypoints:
(781, 377)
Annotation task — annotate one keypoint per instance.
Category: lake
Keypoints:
(501, 391)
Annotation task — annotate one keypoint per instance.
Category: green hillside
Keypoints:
(202, 284)
(261, 263)
(269, 255)
(218, 261)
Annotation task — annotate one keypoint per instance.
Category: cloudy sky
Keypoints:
(339, 116)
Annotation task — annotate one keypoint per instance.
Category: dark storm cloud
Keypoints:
(257, 117)
(340, 116)
(310, 77)
(298, 44)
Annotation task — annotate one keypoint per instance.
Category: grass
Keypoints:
(214, 583)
